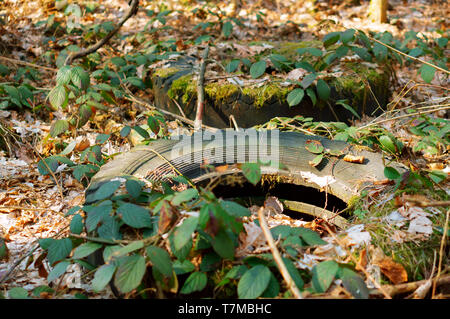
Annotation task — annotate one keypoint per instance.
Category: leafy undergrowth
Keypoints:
(59, 124)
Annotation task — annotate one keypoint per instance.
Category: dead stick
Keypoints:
(201, 90)
(131, 11)
(178, 117)
(441, 252)
(277, 257)
(407, 287)
(28, 64)
(408, 56)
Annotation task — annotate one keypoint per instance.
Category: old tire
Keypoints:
(343, 179)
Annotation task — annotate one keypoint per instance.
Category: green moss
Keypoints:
(264, 93)
(165, 72)
(220, 92)
(355, 82)
(183, 87)
(289, 49)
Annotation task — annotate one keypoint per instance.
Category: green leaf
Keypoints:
(80, 78)
(295, 96)
(136, 82)
(103, 276)
(153, 124)
(18, 293)
(437, 176)
(59, 249)
(134, 215)
(223, 245)
(96, 214)
(347, 36)
(310, 237)
(57, 96)
(314, 146)
(313, 51)
(316, 160)
(312, 95)
(4, 70)
(102, 138)
(184, 232)
(232, 66)
(308, 80)
(134, 187)
(234, 209)
(227, 28)
(391, 173)
(363, 53)
(160, 260)
(254, 282)
(294, 273)
(58, 127)
(252, 171)
(184, 196)
(85, 250)
(183, 267)
(273, 289)
(323, 90)
(323, 275)
(387, 144)
(130, 273)
(195, 282)
(141, 132)
(58, 270)
(257, 69)
(76, 224)
(63, 75)
(106, 190)
(348, 107)
(353, 283)
(331, 38)
(125, 131)
(427, 73)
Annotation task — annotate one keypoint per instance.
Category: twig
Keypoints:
(441, 252)
(178, 117)
(393, 290)
(277, 257)
(233, 120)
(201, 90)
(315, 211)
(131, 11)
(443, 107)
(179, 108)
(28, 64)
(376, 284)
(407, 55)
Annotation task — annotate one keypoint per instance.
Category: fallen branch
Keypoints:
(175, 116)
(393, 290)
(277, 257)
(441, 251)
(315, 211)
(28, 64)
(201, 90)
(131, 11)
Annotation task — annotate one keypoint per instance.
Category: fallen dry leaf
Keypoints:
(354, 159)
(392, 270)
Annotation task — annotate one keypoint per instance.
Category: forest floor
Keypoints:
(32, 206)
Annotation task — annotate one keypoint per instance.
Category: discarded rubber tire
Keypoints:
(342, 179)
(217, 111)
